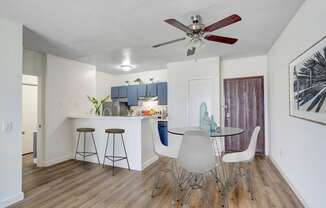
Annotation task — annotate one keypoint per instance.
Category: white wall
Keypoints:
(247, 67)
(297, 146)
(244, 67)
(34, 63)
(67, 85)
(10, 112)
(104, 82)
(179, 75)
(158, 75)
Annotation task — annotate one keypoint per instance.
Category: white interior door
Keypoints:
(29, 116)
(202, 90)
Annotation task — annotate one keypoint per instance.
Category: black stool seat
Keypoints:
(115, 158)
(114, 131)
(85, 130)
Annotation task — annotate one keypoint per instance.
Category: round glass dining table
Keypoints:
(221, 132)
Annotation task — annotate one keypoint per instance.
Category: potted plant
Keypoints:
(97, 104)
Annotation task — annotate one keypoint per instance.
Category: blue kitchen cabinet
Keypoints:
(142, 90)
(152, 90)
(162, 93)
(123, 91)
(132, 95)
(114, 93)
(163, 132)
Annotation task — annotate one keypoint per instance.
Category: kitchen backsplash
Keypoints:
(160, 110)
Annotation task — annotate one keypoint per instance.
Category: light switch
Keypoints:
(6, 126)
(3, 126)
(10, 125)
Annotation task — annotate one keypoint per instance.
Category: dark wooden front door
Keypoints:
(244, 108)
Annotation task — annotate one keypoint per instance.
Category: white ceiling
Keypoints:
(107, 32)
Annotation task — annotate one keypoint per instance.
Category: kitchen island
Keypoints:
(137, 137)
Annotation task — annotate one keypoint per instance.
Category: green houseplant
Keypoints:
(97, 104)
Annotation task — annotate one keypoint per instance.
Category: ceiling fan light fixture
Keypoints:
(126, 67)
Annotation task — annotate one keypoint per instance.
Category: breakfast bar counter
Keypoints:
(137, 138)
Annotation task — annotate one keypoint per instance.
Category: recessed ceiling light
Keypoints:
(126, 67)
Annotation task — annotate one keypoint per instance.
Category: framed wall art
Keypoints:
(307, 80)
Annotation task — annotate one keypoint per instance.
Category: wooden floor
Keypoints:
(74, 184)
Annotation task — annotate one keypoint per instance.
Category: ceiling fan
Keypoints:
(197, 32)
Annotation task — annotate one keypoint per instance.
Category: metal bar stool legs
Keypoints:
(114, 158)
(85, 154)
(124, 147)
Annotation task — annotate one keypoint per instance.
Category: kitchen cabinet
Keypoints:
(162, 93)
(163, 132)
(114, 93)
(123, 91)
(142, 90)
(152, 90)
(134, 92)
(132, 95)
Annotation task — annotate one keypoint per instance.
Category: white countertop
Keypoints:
(108, 117)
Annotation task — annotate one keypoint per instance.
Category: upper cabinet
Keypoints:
(123, 90)
(114, 93)
(119, 92)
(132, 95)
(134, 92)
(142, 90)
(152, 90)
(162, 93)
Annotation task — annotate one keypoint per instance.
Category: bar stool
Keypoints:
(113, 158)
(84, 153)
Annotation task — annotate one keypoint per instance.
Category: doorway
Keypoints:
(244, 108)
(30, 116)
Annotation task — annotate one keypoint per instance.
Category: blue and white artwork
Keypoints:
(308, 84)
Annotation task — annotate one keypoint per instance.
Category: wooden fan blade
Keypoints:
(179, 25)
(221, 39)
(168, 42)
(222, 23)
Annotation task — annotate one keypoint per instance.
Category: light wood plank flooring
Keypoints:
(74, 184)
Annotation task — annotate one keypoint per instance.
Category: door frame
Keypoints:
(40, 149)
(37, 113)
(265, 103)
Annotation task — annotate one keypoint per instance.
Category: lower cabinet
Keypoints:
(163, 131)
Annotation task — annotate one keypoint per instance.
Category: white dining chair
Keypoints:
(195, 162)
(162, 151)
(243, 160)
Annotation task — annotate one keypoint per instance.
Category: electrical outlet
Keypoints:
(10, 126)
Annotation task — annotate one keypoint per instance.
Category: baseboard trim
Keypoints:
(296, 192)
(149, 162)
(11, 200)
(56, 161)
